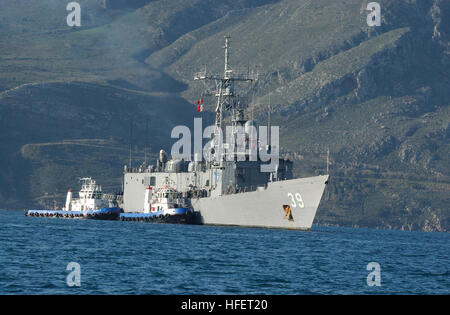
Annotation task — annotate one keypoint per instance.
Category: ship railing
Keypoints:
(138, 170)
(118, 197)
(240, 190)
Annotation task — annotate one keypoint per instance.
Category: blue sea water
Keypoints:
(143, 258)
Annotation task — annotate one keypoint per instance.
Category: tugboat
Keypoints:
(167, 206)
(89, 205)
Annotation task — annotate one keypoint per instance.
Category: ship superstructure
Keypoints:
(90, 197)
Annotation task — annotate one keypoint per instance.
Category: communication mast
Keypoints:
(226, 98)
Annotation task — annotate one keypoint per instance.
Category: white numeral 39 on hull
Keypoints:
(297, 200)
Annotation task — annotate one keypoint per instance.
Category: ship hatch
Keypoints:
(288, 213)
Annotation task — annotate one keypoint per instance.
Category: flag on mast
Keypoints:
(199, 105)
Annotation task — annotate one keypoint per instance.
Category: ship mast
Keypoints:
(227, 99)
(226, 47)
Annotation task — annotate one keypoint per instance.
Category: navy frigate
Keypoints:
(230, 191)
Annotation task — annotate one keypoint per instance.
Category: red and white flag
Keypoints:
(199, 105)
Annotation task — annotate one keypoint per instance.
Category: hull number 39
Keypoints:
(296, 200)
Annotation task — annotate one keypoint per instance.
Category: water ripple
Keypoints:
(140, 258)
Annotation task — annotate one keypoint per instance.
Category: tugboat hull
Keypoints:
(99, 214)
(178, 216)
(104, 214)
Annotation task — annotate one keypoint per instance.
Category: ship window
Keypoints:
(207, 182)
(149, 181)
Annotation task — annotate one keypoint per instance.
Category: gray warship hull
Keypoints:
(264, 208)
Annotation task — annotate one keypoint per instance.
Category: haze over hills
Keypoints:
(377, 97)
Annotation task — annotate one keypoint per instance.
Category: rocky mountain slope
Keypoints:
(377, 97)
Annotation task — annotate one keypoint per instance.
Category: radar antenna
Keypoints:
(227, 99)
